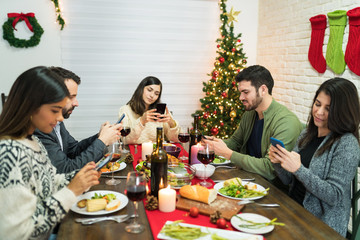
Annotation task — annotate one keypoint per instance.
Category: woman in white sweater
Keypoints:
(33, 197)
(141, 116)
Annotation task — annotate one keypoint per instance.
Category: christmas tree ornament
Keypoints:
(224, 94)
(217, 63)
(231, 66)
(218, 46)
(239, 40)
(214, 131)
(232, 15)
(233, 83)
(215, 112)
(352, 53)
(233, 49)
(232, 114)
(31, 23)
(334, 54)
(315, 54)
(221, 59)
(221, 124)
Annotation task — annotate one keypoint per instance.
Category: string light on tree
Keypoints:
(221, 108)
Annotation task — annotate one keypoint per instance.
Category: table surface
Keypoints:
(299, 223)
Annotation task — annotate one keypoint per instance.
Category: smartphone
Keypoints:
(100, 164)
(160, 108)
(121, 118)
(275, 141)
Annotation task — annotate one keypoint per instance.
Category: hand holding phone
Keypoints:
(160, 108)
(275, 141)
(100, 164)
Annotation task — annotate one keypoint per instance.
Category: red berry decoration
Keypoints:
(221, 223)
(221, 59)
(233, 50)
(214, 131)
(194, 212)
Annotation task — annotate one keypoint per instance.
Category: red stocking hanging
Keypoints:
(315, 55)
(352, 53)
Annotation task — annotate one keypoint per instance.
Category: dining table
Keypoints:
(299, 223)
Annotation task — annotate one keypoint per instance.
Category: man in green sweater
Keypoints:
(248, 147)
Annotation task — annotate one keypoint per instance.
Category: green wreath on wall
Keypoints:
(31, 22)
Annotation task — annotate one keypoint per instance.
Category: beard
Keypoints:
(67, 112)
(254, 104)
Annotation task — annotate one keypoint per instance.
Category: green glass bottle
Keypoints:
(159, 165)
(195, 135)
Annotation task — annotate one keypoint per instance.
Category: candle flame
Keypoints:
(147, 189)
(161, 185)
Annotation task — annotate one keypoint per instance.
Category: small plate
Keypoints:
(260, 188)
(122, 166)
(230, 235)
(235, 222)
(123, 202)
(227, 161)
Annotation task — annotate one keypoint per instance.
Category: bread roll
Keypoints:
(112, 205)
(198, 193)
(232, 181)
(94, 205)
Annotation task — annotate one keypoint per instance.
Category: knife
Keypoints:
(107, 176)
(245, 179)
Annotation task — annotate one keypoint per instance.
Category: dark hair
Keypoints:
(257, 75)
(32, 89)
(136, 102)
(66, 74)
(344, 113)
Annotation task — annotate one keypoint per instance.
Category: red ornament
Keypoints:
(215, 112)
(206, 115)
(224, 94)
(222, 124)
(218, 46)
(207, 106)
(244, 61)
(233, 83)
(214, 131)
(239, 40)
(233, 50)
(238, 70)
(215, 74)
(221, 60)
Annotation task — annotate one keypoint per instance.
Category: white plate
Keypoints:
(228, 234)
(227, 161)
(123, 202)
(260, 188)
(235, 222)
(122, 166)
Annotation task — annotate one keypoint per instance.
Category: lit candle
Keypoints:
(146, 149)
(167, 199)
(194, 152)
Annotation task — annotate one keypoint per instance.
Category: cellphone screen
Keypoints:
(103, 162)
(275, 141)
(160, 108)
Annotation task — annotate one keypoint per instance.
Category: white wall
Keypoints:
(283, 43)
(14, 61)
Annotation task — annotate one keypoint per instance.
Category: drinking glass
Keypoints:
(206, 155)
(124, 132)
(113, 149)
(184, 137)
(136, 191)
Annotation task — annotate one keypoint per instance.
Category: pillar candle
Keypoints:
(167, 199)
(194, 152)
(146, 149)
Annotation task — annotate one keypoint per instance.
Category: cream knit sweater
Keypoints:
(140, 134)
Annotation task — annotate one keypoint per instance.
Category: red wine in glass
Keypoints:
(136, 193)
(125, 131)
(184, 137)
(206, 157)
(115, 157)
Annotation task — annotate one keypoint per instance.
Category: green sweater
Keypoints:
(279, 122)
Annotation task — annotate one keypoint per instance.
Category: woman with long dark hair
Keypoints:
(325, 159)
(33, 197)
(141, 116)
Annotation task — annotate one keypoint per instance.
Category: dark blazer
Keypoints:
(75, 154)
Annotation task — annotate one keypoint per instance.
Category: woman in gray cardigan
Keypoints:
(324, 161)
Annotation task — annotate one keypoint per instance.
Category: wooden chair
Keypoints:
(3, 98)
(355, 233)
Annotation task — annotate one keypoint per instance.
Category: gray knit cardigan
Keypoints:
(328, 181)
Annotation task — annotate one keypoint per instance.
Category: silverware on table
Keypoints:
(109, 176)
(135, 146)
(118, 218)
(243, 202)
(221, 166)
(245, 179)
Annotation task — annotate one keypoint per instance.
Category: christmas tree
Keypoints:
(221, 108)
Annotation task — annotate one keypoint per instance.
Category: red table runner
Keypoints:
(157, 219)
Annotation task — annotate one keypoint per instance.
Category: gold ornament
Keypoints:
(217, 63)
(232, 114)
(231, 66)
(232, 15)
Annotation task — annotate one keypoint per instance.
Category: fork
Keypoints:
(88, 221)
(243, 202)
(231, 167)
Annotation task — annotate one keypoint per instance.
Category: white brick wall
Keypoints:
(283, 42)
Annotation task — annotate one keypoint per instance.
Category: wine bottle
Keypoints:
(195, 135)
(159, 165)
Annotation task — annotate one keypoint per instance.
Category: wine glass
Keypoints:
(136, 191)
(124, 132)
(113, 149)
(184, 137)
(206, 155)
